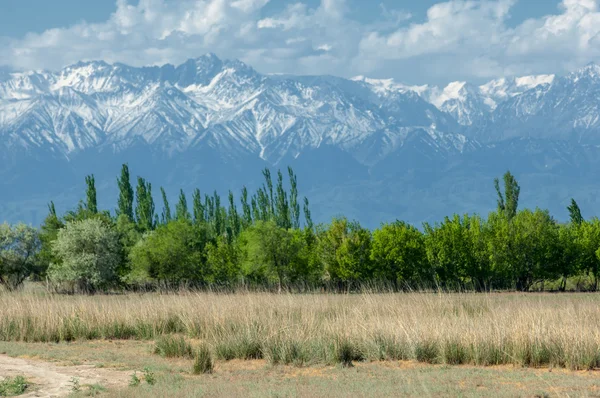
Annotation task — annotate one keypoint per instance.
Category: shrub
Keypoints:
(19, 245)
(89, 253)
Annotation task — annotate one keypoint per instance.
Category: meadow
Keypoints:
(532, 330)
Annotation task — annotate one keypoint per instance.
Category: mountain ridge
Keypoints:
(211, 116)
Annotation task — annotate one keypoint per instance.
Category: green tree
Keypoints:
(270, 250)
(19, 246)
(89, 252)
(307, 215)
(398, 254)
(509, 202)
(198, 207)
(457, 249)
(570, 255)
(233, 217)
(294, 205)
(166, 214)
(181, 210)
(223, 259)
(172, 254)
(91, 202)
(575, 213)
(344, 248)
(282, 208)
(246, 209)
(526, 248)
(144, 210)
(48, 234)
(125, 203)
(589, 242)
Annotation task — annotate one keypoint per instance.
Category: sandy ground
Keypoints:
(53, 380)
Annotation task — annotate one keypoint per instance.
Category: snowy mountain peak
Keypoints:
(591, 71)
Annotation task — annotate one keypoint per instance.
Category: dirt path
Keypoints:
(52, 380)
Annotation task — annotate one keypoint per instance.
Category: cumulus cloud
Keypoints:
(457, 39)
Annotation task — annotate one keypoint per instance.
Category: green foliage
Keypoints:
(509, 202)
(172, 254)
(89, 254)
(345, 250)
(91, 202)
(223, 260)
(13, 386)
(271, 253)
(398, 254)
(149, 376)
(575, 213)
(456, 249)
(125, 203)
(263, 245)
(135, 380)
(144, 210)
(181, 210)
(525, 249)
(198, 207)
(19, 246)
(166, 214)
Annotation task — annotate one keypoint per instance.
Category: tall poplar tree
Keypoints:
(307, 215)
(246, 209)
(166, 215)
(198, 207)
(575, 213)
(269, 190)
(91, 201)
(282, 208)
(233, 216)
(509, 201)
(144, 210)
(125, 203)
(294, 205)
(218, 214)
(181, 210)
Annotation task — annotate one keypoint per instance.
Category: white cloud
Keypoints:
(458, 39)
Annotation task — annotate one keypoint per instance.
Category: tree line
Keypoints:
(268, 240)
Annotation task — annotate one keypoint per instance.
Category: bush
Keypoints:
(89, 253)
(19, 245)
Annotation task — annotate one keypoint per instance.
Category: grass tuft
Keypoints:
(203, 362)
(173, 347)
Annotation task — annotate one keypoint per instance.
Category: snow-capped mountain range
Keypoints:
(209, 112)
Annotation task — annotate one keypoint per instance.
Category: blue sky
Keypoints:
(424, 41)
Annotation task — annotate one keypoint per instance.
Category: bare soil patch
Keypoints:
(53, 380)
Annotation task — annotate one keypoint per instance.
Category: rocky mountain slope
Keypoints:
(391, 150)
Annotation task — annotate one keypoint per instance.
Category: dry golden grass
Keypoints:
(479, 329)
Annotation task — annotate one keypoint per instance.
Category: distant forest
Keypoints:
(267, 240)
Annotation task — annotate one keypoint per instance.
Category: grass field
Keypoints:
(494, 329)
(410, 343)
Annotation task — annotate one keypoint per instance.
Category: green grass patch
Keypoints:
(13, 386)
